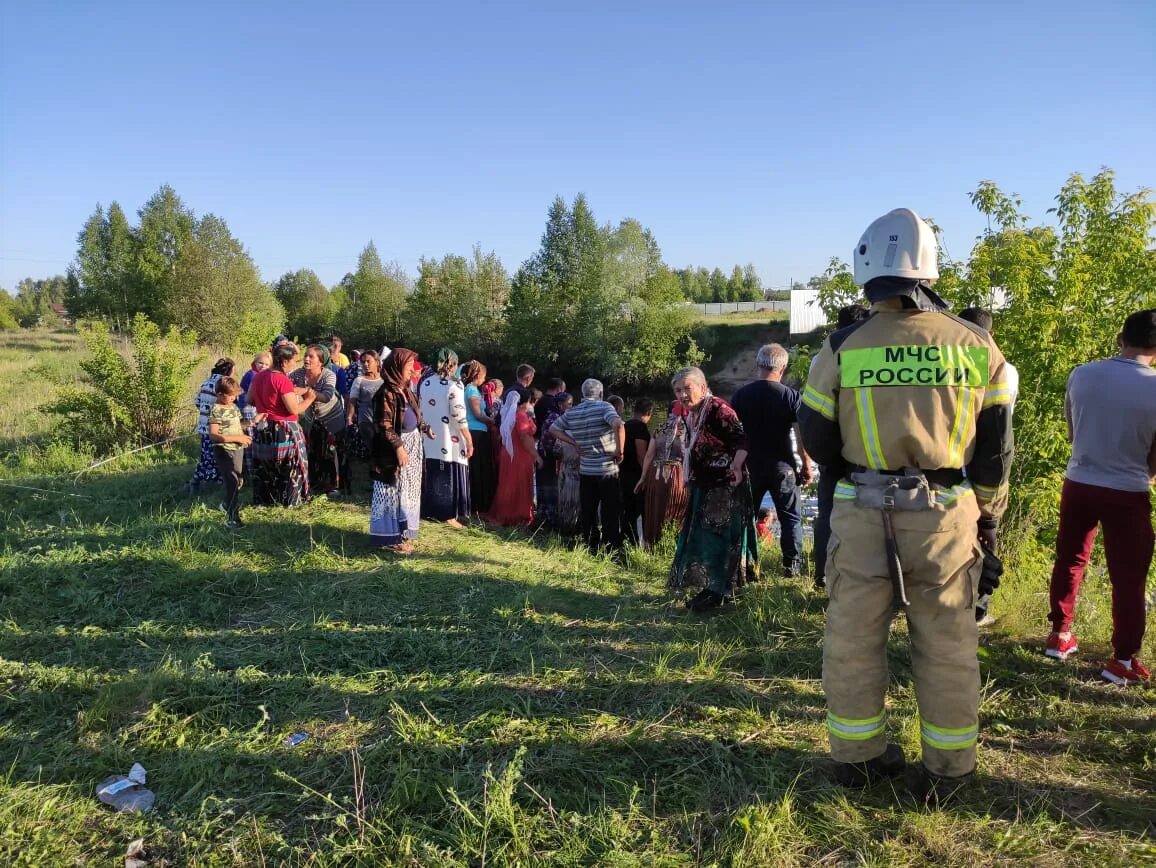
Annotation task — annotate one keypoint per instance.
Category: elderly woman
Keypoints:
(324, 422)
(445, 494)
(717, 549)
(395, 462)
(280, 465)
(206, 469)
(662, 483)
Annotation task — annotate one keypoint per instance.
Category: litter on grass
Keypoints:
(127, 792)
(296, 739)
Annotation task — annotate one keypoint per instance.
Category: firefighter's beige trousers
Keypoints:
(942, 562)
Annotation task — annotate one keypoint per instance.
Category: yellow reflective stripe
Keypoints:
(951, 495)
(959, 428)
(844, 491)
(987, 492)
(997, 393)
(822, 404)
(869, 429)
(861, 729)
(949, 739)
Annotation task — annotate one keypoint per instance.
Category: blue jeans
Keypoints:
(780, 481)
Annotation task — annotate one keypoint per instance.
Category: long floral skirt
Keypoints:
(445, 490)
(665, 500)
(387, 522)
(717, 546)
(280, 465)
(410, 479)
(206, 470)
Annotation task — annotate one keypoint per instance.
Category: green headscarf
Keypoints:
(322, 353)
(447, 362)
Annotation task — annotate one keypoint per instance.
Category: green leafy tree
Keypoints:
(375, 298)
(217, 291)
(131, 399)
(752, 286)
(836, 287)
(166, 227)
(1065, 292)
(35, 298)
(308, 305)
(8, 321)
(459, 302)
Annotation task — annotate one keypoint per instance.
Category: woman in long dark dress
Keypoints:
(717, 547)
(395, 462)
(324, 423)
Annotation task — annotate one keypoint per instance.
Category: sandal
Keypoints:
(400, 549)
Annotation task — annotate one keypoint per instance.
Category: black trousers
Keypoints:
(231, 467)
(828, 479)
(632, 505)
(601, 494)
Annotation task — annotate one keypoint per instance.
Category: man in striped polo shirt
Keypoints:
(596, 430)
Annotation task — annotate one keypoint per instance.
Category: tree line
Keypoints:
(595, 298)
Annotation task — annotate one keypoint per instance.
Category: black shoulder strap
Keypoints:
(838, 337)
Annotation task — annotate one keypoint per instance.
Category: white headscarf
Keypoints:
(509, 419)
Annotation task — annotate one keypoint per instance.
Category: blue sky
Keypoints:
(762, 132)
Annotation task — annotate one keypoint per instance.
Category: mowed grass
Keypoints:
(497, 699)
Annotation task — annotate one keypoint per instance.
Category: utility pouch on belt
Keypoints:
(908, 491)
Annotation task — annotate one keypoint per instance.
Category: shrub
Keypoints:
(133, 400)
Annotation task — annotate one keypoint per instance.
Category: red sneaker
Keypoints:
(1119, 672)
(1061, 648)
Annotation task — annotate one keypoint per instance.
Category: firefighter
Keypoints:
(915, 404)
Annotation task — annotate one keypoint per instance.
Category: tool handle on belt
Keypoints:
(894, 567)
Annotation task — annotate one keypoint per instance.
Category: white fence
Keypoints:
(806, 315)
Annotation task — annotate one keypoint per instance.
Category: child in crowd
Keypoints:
(618, 404)
(229, 443)
(763, 524)
(261, 361)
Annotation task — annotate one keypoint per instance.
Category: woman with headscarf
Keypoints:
(280, 465)
(717, 548)
(483, 467)
(446, 479)
(665, 493)
(324, 422)
(395, 462)
(206, 469)
(514, 501)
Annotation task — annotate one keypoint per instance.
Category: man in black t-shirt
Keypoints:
(630, 470)
(769, 412)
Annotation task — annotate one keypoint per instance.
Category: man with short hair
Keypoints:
(549, 403)
(983, 318)
(1111, 413)
(769, 413)
(523, 377)
(597, 432)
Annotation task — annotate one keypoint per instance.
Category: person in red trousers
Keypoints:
(1111, 413)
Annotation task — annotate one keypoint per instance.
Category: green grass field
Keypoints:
(496, 699)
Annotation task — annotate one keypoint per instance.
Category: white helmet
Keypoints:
(898, 244)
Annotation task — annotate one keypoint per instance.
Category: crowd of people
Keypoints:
(906, 414)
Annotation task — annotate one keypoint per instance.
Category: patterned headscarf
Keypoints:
(322, 352)
(447, 362)
(393, 367)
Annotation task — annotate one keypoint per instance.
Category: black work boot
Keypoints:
(931, 789)
(888, 764)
